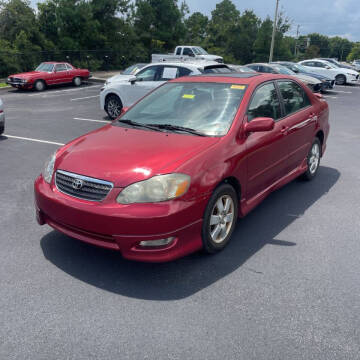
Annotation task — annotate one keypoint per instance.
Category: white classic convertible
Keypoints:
(124, 92)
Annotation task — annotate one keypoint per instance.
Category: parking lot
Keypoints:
(287, 284)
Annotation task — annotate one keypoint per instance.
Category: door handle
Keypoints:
(284, 129)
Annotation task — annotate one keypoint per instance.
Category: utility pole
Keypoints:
(274, 31)
(297, 38)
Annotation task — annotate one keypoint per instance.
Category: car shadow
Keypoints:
(50, 88)
(107, 270)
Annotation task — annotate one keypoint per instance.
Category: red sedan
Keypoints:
(49, 73)
(172, 174)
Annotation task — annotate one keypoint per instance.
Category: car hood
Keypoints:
(307, 79)
(125, 155)
(349, 71)
(28, 74)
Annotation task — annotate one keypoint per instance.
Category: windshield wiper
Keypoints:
(137, 124)
(178, 128)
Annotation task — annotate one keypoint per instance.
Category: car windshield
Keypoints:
(199, 50)
(45, 67)
(131, 70)
(283, 70)
(206, 108)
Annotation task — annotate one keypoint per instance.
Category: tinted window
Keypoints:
(60, 67)
(178, 51)
(308, 63)
(148, 74)
(172, 72)
(187, 51)
(254, 67)
(183, 72)
(265, 103)
(319, 64)
(217, 69)
(294, 96)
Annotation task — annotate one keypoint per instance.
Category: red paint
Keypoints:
(53, 78)
(259, 161)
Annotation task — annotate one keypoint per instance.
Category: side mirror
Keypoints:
(327, 67)
(192, 54)
(133, 80)
(259, 124)
(318, 95)
(296, 71)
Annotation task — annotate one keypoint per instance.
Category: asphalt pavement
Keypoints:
(286, 287)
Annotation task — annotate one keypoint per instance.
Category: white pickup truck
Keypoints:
(186, 52)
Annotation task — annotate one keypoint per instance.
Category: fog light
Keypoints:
(160, 242)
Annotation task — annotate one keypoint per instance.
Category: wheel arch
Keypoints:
(234, 182)
(321, 136)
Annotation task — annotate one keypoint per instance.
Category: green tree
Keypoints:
(196, 26)
(339, 48)
(355, 52)
(322, 42)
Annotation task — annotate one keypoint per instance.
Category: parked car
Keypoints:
(314, 84)
(187, 52)
(338, 64)
(49, 73)
(2, 117)
(322, 67)
(356, 64)
(240, 68)
(176, 170)
(126, 74)
(326, 82)
(116, 95)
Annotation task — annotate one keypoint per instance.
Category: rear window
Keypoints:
(217, 69)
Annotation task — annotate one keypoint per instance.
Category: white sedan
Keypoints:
(123, 93)
(2, 117)
(340, 75)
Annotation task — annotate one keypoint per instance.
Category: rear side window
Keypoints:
(173, 72)
(309, 63)
(265, 103)
(69, 67)
(60, 67)
(294, 97)
(178, 51)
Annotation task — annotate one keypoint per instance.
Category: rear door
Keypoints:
(267, 152)
(300, 118)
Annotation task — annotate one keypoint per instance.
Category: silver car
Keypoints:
(2, 117)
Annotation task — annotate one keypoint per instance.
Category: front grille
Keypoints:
(82, 187)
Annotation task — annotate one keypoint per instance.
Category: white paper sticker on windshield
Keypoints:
(169, 73)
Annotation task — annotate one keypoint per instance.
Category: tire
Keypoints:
(313, 160)
(39, 85)
(113, 106)
(340, 80)
(219, 223)
(77, 81)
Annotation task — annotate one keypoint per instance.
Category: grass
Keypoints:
(3, 84)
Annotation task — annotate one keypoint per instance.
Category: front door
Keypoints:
(267, 152)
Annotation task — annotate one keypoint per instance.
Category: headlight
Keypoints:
(23, 80)
(49, 168)
(156, 189)
(351, 74)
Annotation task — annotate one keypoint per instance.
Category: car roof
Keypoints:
(197, 63)
(234, 78)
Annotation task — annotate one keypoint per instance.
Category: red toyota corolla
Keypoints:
(173, 173)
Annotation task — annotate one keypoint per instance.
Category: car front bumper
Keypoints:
(19, 84)
(122, 227)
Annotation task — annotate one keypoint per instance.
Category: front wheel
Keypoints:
(219, 219)
(340, 79)
(313, 160)
(39, 85)
(113, 106)
(77, 81)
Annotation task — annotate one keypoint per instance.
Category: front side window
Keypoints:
(294, 97)
(309, 63)
(208, 108)
(265, 103)
(148, 74)
(188, 51)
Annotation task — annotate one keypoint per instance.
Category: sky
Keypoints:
(327, 17)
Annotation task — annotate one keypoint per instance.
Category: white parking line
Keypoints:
(100, 121)
(86, 97)
(348, 87)
(31, 139)
(339, 91)
(61, 91)
(330, 97)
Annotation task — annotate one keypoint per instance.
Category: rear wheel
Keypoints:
(340, 79)
(77, 81)
(313, 160)
(219, 218)
(113, 106)
(39, 85)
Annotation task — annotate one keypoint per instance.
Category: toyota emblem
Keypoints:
(77, 184)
